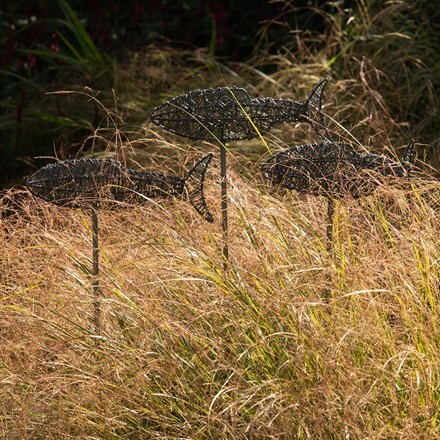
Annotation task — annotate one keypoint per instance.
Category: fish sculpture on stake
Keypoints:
(96, 183)
(334, 170)
(227, 114)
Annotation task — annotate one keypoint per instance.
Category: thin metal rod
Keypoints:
(224, 198)
(96, 290)
(330, 218)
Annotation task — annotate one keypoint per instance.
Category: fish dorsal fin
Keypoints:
(238, 94)
(200, 98)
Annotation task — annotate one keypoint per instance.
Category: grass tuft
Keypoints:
(187, 351)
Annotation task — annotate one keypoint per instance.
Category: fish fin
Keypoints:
(409, 155)
(194, 182)
(314, 106)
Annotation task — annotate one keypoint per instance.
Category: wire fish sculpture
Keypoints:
(90, 183)
(229, 114)
(334, 169)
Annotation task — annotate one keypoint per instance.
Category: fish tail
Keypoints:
(314, 106)
(194, 182)
(409, 156)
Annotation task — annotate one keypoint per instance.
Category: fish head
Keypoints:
(77, 183)
(33, 182)
(46, 181)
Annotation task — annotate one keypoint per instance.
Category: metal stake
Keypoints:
(224, 207)
(96, 289)
(330, 218)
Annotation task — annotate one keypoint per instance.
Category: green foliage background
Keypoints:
(381, 55)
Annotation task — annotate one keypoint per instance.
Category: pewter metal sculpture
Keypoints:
(91, 183)
(229, 114)
(334, 170)
(95, 183)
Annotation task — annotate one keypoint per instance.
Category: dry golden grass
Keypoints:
(187, 352)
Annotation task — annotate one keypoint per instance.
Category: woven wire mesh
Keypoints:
(90, 183)
(332, 169)
(228, 114)
(194, 186)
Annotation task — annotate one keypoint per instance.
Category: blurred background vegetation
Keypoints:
(382, 58)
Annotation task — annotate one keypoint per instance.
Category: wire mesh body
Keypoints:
(229, 114)
(333, 169)
(89, 183)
